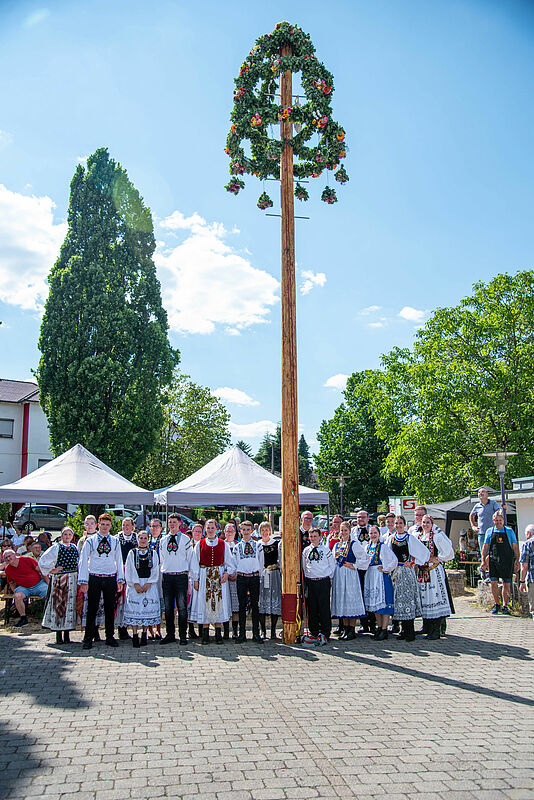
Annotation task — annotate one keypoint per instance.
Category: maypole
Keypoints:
(269, 66)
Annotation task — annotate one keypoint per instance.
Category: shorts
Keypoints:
(39, 590)
(495, 574)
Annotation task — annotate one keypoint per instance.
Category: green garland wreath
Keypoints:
(255, 109)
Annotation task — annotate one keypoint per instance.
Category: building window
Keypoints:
(42, 462)
(6, 428)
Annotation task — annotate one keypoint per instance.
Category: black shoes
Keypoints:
(192, 632)
(21, 623)
(257, 638)
(59, 637)
(205, 635)
(112, 642)
(123, 634)
(87, 644)
(135, 641)
(168, 639)
(381, 634)
(218, 636)
(182, 641)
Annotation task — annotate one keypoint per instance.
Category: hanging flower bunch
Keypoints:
(255, 108)
(235, 185)
(264, 201)
(300, 192)
(329, 196)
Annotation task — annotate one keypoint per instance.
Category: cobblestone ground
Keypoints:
(446, 719)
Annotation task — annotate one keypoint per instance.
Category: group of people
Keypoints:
(376, 574)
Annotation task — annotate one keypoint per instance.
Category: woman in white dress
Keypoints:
(211, 564)
(431, 578)
(270, 579)
(347, 600)
(378, 587)
(229, 537)
(197, 532)
(141, 606)
(409, 551)
(60, 564)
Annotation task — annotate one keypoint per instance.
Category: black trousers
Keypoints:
(107, 587)
(175, 591)
(248, 586)
(318, 606)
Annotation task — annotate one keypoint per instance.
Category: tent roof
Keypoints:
(464, 505)
(76, 476)
(234, 479)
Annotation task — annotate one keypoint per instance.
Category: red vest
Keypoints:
(211, 556)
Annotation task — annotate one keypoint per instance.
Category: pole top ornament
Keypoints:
(250, 147)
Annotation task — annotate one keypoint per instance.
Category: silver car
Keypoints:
(51, 518)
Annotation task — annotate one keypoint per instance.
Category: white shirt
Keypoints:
(17, 539)
(229, 561)
(252, 562)
(94, 563)
(175, 560)
(323, 567)
(442, 542)
(131, 572)
(418, 551)
(388, 559)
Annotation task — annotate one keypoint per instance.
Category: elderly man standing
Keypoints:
(500, 552)
(527, 567)
(481, 519)
(306, 522)
(25, 579)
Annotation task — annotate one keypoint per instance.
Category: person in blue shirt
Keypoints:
(481, 518)
(527, 567)
(500, 555)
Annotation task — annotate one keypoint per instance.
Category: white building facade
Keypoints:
(24, 440)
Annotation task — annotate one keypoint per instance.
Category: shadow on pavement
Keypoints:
(15, 759)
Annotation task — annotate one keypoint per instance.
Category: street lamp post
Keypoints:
(341, 480)
(500, 458)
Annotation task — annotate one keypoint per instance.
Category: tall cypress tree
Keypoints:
(105, 352)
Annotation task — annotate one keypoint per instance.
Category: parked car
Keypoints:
(51, 518)
(121, 513)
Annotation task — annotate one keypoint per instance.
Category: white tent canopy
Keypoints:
(234, 479)
(76, 476)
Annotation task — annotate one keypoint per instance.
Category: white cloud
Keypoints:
(412, 314)
(338, 382)
(5, 139)
(235, 396)
(370, 310)
(29, 245)
(311, 279)
(82, 160)
(36, 17)
(252, 430)
(380, 323)
(206, 282)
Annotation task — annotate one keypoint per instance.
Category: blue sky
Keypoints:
(436, 99)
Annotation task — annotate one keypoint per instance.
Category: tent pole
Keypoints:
(327, 518)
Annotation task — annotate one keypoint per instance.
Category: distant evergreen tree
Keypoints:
(305, 470)
(105, 353)
(264, 454)
(246, 448)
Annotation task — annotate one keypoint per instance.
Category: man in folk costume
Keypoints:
(248, 556)
(101, 572)
(318, 565)
(175, 551)
(360, 533)
(128, 541)
(211, 563)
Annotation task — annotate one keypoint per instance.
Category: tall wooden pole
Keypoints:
(290, 500)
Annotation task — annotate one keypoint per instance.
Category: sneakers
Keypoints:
(21, 623)
(506, 610)
(321, 640)
(496, 608)
(308, 639)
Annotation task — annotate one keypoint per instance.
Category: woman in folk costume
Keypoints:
(347, 599)
(270, 579)
(128, 541)
(230, 539)
(431, 578)
(409, 551)
(89, 528)
(197, 533)
(378, 586)
(60, 563)
(211, 564)
(142, 606)
(156, 529)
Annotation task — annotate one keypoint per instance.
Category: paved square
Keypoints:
(446, 719)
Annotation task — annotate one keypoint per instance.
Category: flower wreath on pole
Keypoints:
(255, 109)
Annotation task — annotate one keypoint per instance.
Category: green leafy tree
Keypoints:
(350, 446)
(195, 430)
(305, 470)
(264, 454)
(246, 448)
(465, 389)
(105, 354)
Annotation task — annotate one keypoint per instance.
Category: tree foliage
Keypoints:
(246, 448)
(105, 353)
(264, 454)
(465, 389)
(350, 446)
(305, 470)
(195, 430)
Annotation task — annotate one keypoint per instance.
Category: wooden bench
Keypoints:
(7, 598)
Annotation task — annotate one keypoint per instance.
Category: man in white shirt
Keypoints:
(175, 551)
(318, 565)
(306, 522)
(101, 572)
(248, 556)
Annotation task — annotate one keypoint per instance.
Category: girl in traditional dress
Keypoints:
(211, 564)
(378, 586)
(197, 532)
(347, 600)
(270, 579)
(409, 551)
(60, 563)
(431, 578)
(229, 537)
(142, 606)
(155, 538)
